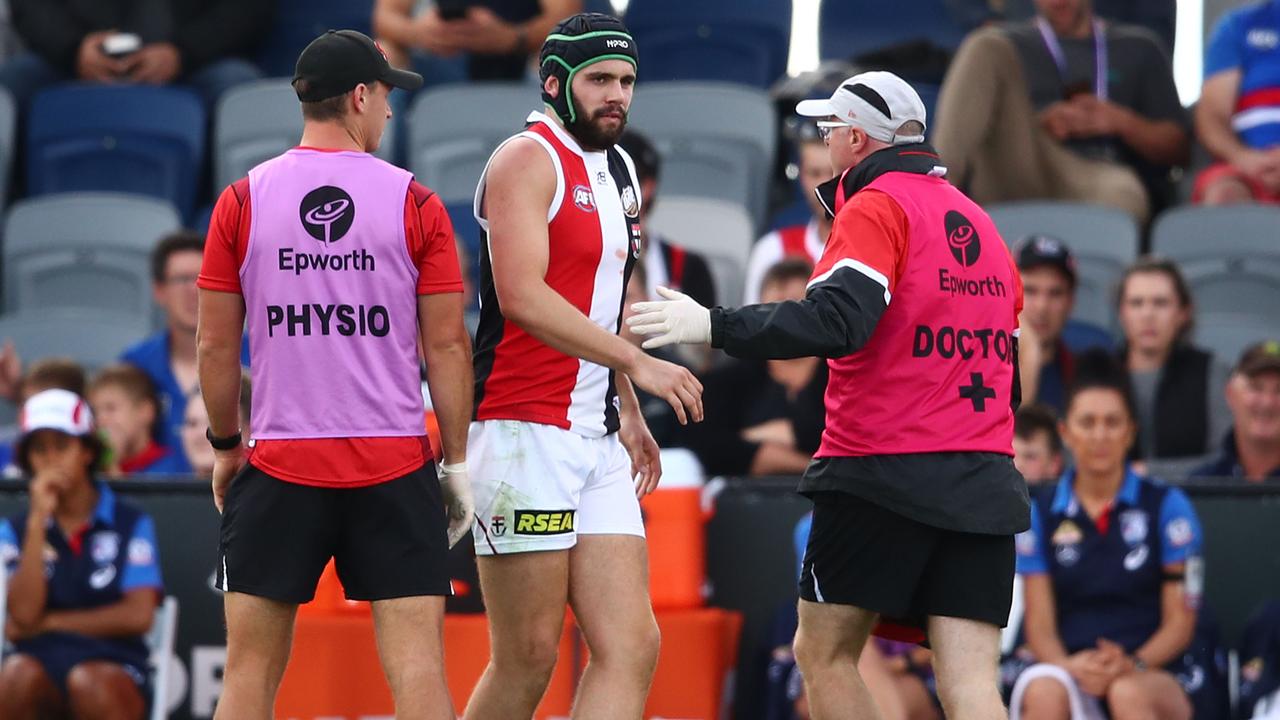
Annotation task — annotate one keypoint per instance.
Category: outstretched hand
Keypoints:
(678, 319)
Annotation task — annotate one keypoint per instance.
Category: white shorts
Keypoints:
(1083, 706)
(537, 487)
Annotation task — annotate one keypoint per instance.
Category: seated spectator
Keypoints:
(1238, 115)
(467, 39)
(1037, 447)
(1158, 16)
(767, 415)
(1111, 574)
(796, 241)
(84, 577)
(1049, 338)
(202, 43)
(666, 264)
(1062, 107)
(195, 444)
(1178, 389)
(169, 356)
(46, 374)
(1251, 450)
(125, 404)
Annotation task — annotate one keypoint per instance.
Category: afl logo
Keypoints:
(583, 199)
(962, 238)
(327, 213)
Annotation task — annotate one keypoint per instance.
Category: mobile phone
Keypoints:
(121, 45)
(452, 9)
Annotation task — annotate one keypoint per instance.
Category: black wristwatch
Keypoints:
(223, 443)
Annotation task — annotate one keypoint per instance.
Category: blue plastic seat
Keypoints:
(847, 28)
(135, 139)
(298, 22)
(740, 41)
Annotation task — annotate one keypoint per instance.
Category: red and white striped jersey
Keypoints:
(593, 228)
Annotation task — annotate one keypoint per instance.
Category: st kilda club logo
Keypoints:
(962, 238)
(327, 213)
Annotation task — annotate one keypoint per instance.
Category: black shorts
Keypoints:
(863, 555)
(388, 540)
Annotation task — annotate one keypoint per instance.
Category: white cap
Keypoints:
(60, 410)
(878, 102)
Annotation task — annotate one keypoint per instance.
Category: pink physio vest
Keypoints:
(936, 375)
(330, 298)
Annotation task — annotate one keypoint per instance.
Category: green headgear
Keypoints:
(575, 43)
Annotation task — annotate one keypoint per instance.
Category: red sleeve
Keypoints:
(1017, 293)
(429, 234)
(870, 234)
(227, 241)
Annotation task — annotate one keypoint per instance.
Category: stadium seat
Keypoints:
(1103, 240)
(1196, 231)
(705, 225)
(93, 338)
(716, 140)
(122, 138)
(164, 630)
(298, 22)
(848, 28)
(1227, 334)
(452, 131)
(8, 142)
(83, 250)
(257, 121)
(740, 41)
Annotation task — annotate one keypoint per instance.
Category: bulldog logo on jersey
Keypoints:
(962, 238)
(630, 205)
(583, 199)
(327, 213)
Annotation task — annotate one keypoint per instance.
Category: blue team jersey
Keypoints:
(1248, 39)
(1107, 576)
(116, 553)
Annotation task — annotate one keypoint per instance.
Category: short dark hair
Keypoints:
(645, 156)
(334, 108)
(1098, 369)
(61, 373)
(93, 442)
(1158, 265)
(786, 271)
(1036, 418)
(170, 245)
(135, 383)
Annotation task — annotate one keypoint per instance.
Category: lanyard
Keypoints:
(1060, 59)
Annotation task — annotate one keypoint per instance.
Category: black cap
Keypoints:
(1259, 358)
(338, 60)
(1044, 251)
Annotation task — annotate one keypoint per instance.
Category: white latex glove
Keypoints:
(678, 319)
(460, 507)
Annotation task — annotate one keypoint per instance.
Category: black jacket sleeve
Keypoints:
(50, 30)
(221, 29)
(836, 318)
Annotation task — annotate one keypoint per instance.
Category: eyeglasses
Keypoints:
(826, 126)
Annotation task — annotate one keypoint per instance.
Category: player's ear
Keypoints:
(552, 86)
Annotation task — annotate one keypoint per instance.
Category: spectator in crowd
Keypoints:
(1178, 389)
(1111, 572)
(125, 403)
(666, 264)
(202, 43)
(44, 374)
(1158, 16)
(169, 356)
(84, 577)
(1238, 115)
(459, 40)
(795, 241)
(1037, 447)
(1049, 338)
(195, 444)
(769, 413)
(1066, 107)
(1251, 450)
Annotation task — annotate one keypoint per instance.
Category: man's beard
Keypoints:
(590, 135)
